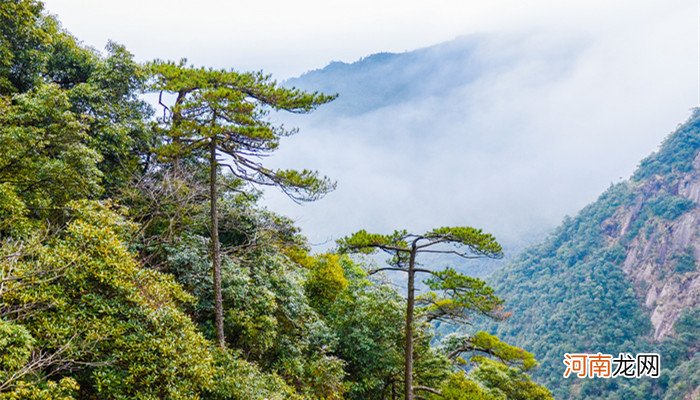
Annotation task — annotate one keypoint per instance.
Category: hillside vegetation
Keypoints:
(620, 276)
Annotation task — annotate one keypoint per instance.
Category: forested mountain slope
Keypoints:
(621, 276)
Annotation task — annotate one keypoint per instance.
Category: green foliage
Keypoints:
(268, 314)
(368, 320)
(455, 299)
(14, 215)
(108, 99)
(458, 298)
(325, 281)
(45, 162)
(479, 243)
(508, 382)
(98, 96)
(563, 305)
(683, 379)
(368, 243)
(459, 387)
(226, 112)
(491, 380)
(229, 110)
(84, 299)
(676, 154)
(482, 343)
(681, 346)
(662, 205)
(670, 207)
(237, 379)
(167, 206)
(23, 43)
(559, 290)
(685, 262)
(16, 344)
(681, 359)
(64, 389)
(497, 369)
(102, 301)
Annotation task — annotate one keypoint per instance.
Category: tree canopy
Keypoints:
(453, 298)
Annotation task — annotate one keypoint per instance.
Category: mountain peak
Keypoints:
(385, 78)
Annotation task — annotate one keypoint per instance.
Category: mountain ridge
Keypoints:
(363, 87)
(618, 277)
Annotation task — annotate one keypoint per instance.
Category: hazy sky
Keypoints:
(627, 73)
(287, 38)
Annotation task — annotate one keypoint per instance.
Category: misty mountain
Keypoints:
(508, 133)
(620, 276)
(387, 79)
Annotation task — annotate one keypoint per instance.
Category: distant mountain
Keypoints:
(387, 79)
(508, 133)
(621, 276)
(380, 91)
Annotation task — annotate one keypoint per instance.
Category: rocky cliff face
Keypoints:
(661, 259)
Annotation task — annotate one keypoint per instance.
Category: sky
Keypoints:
(287, 38)
(590, 88)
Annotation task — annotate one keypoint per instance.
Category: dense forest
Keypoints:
(137, 262)
(622, 274)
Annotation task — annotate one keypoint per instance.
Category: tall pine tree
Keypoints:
(220, 118)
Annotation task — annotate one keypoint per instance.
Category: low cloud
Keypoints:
(552, 119)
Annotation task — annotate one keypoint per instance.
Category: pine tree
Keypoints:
(219, 113)
(454, 297)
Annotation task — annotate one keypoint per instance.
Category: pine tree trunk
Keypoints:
(216, 247)
(177, 118)
(408, 377)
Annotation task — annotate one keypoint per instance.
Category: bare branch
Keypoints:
(428, 389)
(426, 271)
(374, 271)
(165, 107)
(467, 256)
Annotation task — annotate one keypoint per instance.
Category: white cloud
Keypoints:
(521, 147)
(596, 86)
(290, 37)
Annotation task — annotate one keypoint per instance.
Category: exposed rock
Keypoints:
(651, 255)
